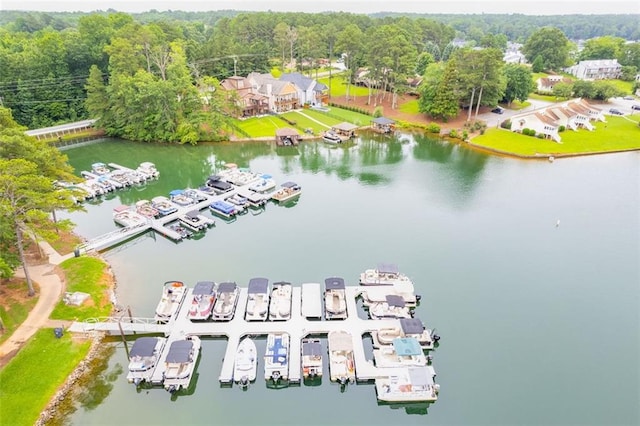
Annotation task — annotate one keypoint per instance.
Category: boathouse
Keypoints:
(345, 130)
(383, 125)
(286, 136)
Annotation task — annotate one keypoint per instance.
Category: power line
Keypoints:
(41, 79)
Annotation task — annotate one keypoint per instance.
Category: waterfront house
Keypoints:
(249, 102)
(599, 69)
(310, 92)
(282, 95)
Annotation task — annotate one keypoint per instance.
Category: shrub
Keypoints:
(453, 133)
(433, 128)
(377, 112)
(465, 135)
(506, 124)
(561, 129)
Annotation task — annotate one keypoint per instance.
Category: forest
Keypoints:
(147, 75)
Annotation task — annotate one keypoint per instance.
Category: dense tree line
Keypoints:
(147, 75)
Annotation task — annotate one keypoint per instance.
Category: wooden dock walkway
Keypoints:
(298, 327)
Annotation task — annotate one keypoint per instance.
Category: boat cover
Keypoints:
(289, 185)
(219, 185)
(395, 301)
(258, 286)
(387, 268)
(311, 348)
(193, 214)
(411, 325)
(176, 192)
(143, 347)
(420, 377)
(334, 283)
(281, 283)
(180, 351)
(227, 287)
(407, 346)
(340, 341)
(223, 207)
(204, 288)
(279, 351)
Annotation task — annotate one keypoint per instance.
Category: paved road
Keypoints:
(51, 291)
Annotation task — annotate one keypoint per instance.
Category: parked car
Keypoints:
(636, 107)
(615, 111)
(498, 110)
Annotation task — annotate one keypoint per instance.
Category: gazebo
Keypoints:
(383, 125)
(287, 136)
(346, 130)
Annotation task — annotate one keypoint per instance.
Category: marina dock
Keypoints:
(297, 327)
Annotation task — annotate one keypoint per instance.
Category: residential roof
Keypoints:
(383, 121)
(287, 131)
(345, 127)
(298, 79)
(545, 119)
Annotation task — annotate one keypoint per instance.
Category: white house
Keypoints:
(545, 84)
(572, 115)
(310, 92)
(282, 95)
(599, 69)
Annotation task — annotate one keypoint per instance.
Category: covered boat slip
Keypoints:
(311, 301)
(335, 303)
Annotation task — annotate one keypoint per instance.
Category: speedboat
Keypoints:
(276, 358)
(224, 209)
(287, 192)
(246, 362)
(195, 221)
(143, 358)
(180, 363)
(148, 169)
(204, 296)
(341, 358)
(311, 358)
(280, 303)
(408, 384)
(257, 299)
(226, 299)
(173, 293)
(335, 300)
(163, 205)
(182, 231)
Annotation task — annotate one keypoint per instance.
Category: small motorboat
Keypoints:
(246, 363)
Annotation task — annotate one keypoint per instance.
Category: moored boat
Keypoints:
(145, 208)
(263, 185)
(178, 196)
(202, 301)
(404, 352)
(173, 293)
(246, 362)
(257, 299)
(100, 169)
(148, 169)
(393, 307)
(195, 221)
(163, 205)
(311, 358)
(182, 231)
(224, 209)
(241, 203)
(280, 303)
(226, 299)
(276, 358)
(287, 192)
(341, 358)
(335, 301)
(408, 384)
(407, 327)
(143, 358)
(126, 216)
(217, 185)
(180, 363)
(331, 137)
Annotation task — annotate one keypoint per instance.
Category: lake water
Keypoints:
(540, 323)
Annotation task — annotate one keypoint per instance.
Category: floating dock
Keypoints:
(298, 327)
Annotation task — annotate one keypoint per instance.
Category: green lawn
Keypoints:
(337, 115)
(33, 376)
(258, 127)
(339, 86)
(548, 98)
(88, 275)
(410, 107)
(624, 86)
(14, 312)
(617, 134)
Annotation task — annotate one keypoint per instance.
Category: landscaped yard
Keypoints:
(257, 127)
(15, 306)
(617, 134)
(339, 86)
(410, 107)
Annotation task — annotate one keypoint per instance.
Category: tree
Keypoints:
(423, 61)
(518, 83)
(28, 169)
(562, 90)
(606, 47)
(350, 42)
(584, 89)
(481, 74)
(439, 96)
(538, 64)
(551, 45)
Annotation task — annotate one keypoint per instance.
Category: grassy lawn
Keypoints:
(617, 134)
(624, 86)
(258, 127)
(410, 107)
(88, 275)
(303, 122)
(339, 86)
(14, 311)
(516, 106)
(338, 115)
(33, 376)
(548, 98)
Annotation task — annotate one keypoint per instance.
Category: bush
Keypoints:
(506, 124)
(377, 112)
(433, 128)
(453, 133)
(465, 135)
(561, 129)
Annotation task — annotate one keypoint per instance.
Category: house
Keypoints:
(599, 69)
(310, 92)
(249, 102)
(513, 55)
(572, 115)
(546, 84)
(282, 95)
(383, 125)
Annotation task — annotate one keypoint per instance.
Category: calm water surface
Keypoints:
(540, 323)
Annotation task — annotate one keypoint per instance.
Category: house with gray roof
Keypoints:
(282, 94)
(310, 92)
(599, 69)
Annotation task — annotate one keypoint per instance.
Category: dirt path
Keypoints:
(52, 288)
